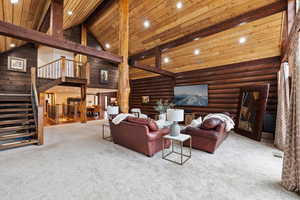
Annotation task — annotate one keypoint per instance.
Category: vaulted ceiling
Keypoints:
(167, 22)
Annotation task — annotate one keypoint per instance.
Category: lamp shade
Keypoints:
(112, 110)
(175, 115)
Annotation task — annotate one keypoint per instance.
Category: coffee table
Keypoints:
(181, 138)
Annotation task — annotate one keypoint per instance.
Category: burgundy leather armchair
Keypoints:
(139, 135)
(208, 136)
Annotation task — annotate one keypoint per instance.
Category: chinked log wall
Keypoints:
(223, 86)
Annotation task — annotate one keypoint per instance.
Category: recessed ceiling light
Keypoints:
(243, 23)
(242, 40)
(146, 24)
(197, 38)
(70, 12)
(197, 51)
(166, 60)
(12, 45)
(14, 1)
(107, 46)
(179, 4)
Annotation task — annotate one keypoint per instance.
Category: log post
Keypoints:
(83, 117)
(40, 131)
(124, 86)
(63, 68)
(57, 18)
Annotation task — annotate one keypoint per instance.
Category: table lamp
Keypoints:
(112, 110)
(175, 115)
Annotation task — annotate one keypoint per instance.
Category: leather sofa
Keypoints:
(209, 136)
(140, 135)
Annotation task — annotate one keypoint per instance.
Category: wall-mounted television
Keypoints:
(193, 95)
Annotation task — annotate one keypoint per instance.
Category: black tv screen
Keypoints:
(193, 95)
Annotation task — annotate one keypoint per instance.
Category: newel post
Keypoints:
(63, 68)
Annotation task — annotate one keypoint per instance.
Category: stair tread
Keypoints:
(15, 135)
(16, 115)
(17, 144)
(15, 121)
(15, 109)
(15, 104)
(16, 128)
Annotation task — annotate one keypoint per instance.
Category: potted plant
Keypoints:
(162, 106)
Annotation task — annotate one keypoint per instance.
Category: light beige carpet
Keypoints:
(76, 164)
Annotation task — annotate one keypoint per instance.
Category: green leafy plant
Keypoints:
(163, 105)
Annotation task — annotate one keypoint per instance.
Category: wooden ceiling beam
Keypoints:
(152, 69)
(248, 17)
(98, 12)
(45, 24)
(21, 33)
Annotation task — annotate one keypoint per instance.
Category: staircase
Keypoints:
(17, 121)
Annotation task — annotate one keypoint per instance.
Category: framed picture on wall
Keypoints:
(17, 64)
(145, 99)
(103, 76)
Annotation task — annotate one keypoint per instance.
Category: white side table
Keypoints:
(181, 138)
(108, 138)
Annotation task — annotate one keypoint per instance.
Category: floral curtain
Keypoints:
(291, 160)
(282, 107)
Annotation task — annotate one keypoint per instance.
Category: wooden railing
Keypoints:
(37, 109)
(62, 68)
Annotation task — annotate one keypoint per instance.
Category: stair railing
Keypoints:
(38, 110)
(63, 68)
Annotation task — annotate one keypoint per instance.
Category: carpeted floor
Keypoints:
(76, 164)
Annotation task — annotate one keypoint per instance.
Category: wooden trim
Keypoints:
(152, 69)
(30, 35)
(248, 17)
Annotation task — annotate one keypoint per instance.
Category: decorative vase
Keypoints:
(163, 116)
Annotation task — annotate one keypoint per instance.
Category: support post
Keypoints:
(158, 58)
(83, 117)
(63, 68)
(57, 18)
(124, 86)
(40, 129)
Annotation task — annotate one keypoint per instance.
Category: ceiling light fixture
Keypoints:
(12, 45)
(107, 46)
(179, 5)
(242, 40)
(70, 12)
(146, 24)
(14, 1)
(197, 51)
(197, 38)
(166, 60)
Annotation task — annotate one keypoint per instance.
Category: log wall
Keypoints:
(224, 83)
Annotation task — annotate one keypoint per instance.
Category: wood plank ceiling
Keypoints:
(167, 22)
(29, 13)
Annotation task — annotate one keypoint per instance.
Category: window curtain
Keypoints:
(291, 160)
(282, 107)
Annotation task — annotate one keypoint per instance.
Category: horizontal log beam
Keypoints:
(153, 69)
(37, 37)
(250, 16)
